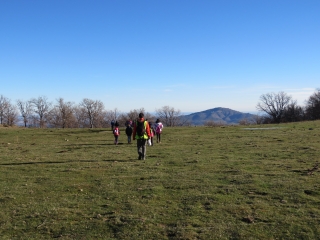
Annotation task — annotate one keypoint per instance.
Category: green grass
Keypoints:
(199, 183)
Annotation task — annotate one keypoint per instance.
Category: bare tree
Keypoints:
(274, 104)
(112, 115)
(41, 108)
(94, 111)
(33, 121)
(313, 106)
(293, 113)
(81, 117)
(25, 109)
(62, 114)
(121, 119)
(10, 114)
(148, 116)
(134, 114)
(257, 119)
(4, 104)
(169, 116)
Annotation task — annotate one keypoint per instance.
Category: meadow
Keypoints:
(227, 182)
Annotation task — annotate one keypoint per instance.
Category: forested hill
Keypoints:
(218, 115)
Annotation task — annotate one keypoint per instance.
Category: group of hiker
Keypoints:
(140, 130)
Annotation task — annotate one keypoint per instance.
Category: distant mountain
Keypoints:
(218, 115)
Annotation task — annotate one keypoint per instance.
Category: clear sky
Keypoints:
(192, 55)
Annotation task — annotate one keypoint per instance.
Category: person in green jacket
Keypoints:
(141, 133)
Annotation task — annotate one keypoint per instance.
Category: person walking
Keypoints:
(158, 127)
(151, 134)
(141, 133)
(129, 132)
(116, 133)
(112, 124)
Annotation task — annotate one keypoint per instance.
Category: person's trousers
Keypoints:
(116, 139)
(142, 149)
(158, 137)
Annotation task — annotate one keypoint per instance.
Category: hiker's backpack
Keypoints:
(116, 132)
(129, 130)
(158, 128)
(140, 128)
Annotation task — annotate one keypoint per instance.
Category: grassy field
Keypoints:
(199, 183)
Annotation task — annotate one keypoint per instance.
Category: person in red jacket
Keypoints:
(141, 133)
(116, 133)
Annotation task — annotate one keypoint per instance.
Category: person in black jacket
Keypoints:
(129, 132)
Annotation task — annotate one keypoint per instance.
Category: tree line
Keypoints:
(40, 112)
(280, 108)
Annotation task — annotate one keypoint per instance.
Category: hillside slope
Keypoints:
(219, 115)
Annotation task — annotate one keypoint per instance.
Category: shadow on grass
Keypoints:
(63, 162)
(132, 160)
(93, 144)
(114, 144)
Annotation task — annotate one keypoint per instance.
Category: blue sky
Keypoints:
(187, 54)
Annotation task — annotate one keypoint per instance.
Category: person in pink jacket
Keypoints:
(158, 127)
